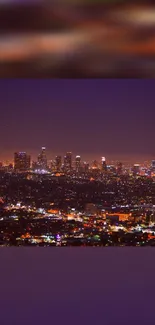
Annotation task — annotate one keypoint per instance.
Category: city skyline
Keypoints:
(51, 156)
(70, 163)
(92, 118)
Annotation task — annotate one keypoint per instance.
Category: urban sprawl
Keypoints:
(69, 202)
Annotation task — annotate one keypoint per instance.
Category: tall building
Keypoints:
(95, 164)
(119, 168)
(86, 167)
(68, 161)
(136, 169)
(58, 163)
(111, 169)
(104, 164)
(153, 165)
(42, 159)
(22, 161)
(77, 163)
(34, 165)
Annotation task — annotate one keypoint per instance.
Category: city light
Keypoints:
(115, 205)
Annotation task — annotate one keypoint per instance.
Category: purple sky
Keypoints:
(86, 286)
(19, 1)
(94, 118)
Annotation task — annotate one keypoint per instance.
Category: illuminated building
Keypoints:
(112, 218)
(34, 165)
(111, 169)
(95, 164)
(136, 169)
(104, 165)
(78, 163)
(153, 165)
(58, 163)
(22, 161)
(68, 161)
(119, 168)
(42, 160)
(53, 166)
(119, 216)
(86, 167)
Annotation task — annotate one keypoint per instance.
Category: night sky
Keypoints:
(77, 286)
(94, 118)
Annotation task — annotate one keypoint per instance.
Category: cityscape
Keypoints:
(77, 163)
(70, 202)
